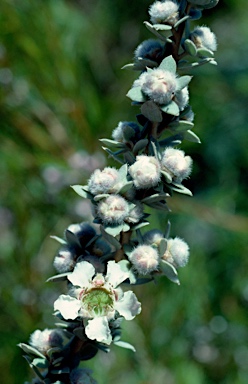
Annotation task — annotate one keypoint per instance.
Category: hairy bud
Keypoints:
(145, 172)
(176, 163)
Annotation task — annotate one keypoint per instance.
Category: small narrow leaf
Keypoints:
(110, 239)
(153, 30)
(112, 143)
(181, 21)
(204, 52)
(180, 125)
(61, 241)
(30, 350)
(162, 247)
(40, 362)
(169, 271)
(123, 344)
(141, 144)
(190, 47)
(191, 136)
(183, 81)
(60, 277)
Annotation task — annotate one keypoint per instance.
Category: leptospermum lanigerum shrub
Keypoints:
(95, 259)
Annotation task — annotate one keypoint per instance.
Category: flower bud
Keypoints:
(65, 260)
(145, 259)
(145, 172)
(177, 252)
(153, 237)
(203, 37)
(113, 210)
(135, 214)
(165, 11)
(176, 163)
(44, 340)
(126, 131)
(84, 232)
(81, 376)
(159, 85)
(149, 49)
(182, 98)
(103, 181)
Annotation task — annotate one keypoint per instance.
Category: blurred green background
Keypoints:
(61, 89)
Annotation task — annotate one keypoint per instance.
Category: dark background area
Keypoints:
(62, 88)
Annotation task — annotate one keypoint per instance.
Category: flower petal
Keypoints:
(82, 274)
(68, 306)
(128, 306)
(115, 275)
(98, 329)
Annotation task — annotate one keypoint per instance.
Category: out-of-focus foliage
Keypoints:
(61, 89)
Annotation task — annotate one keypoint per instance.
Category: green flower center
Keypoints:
(98, 301)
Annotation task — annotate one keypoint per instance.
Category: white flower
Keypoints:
(81, 376)
(164, 12)
(103, 181)
(145, 259)
(145, 172)
(176, 163)
(204, 37)
(44, 340)
(149, 49)
(159, 85)
(177, 252)
(113, 210)
(97, 299)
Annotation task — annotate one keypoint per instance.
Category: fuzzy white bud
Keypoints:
(203, 37)
(103, 181)
(153, 237)
(176, 163)
(64, 261)
(44, 340)
(159, 85)
(164, 12)
(113, 210)
(125, 131)
(145, 259)
(177, 252)
(149, 49)
(145, 172)
(182, 98)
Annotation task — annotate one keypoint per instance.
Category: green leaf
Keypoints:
(60, 277)
(154, 198)
(151, 111)
(180, 125)
(40, 362)
(141, 144)
(204, 52)
(190, 47)
(126, 187)
(81, 191)
(171, 108)
(136, 94)
(162, 27)
(182, 82)
(168, 64)
(181, 21)
(167, 176)
(110, 239)
(115, 230)
(191, 136)
(180, 189)
(112, 143)
(162, 247)
(153, 30)
(30, 350)
(169, 271)
(100, 196)
(123, 344)
(61, 241)
(140, 225)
